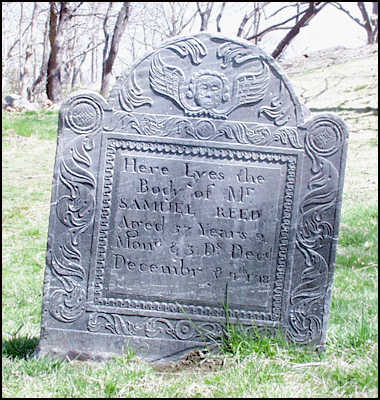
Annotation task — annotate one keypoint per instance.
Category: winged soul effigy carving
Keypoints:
(226, 189)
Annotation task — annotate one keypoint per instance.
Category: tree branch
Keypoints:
(282, 8)
(367, 22)
(218, 18)
(274, 27)
(244, 21)
(339, 7)
(205, 15)
(311, 12)
(83, 52)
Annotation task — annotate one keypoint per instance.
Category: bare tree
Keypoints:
(369, 23)
(152, 23)
(304, 13)
(60, 14)
(111, 45)
(17, 46)
(253, 19)
(244, 21)
(176, 17)
(219, 16)
(28, 49)
(26, 74)
(44, 63)
(204, 13)
(56, 46)
(310, 13)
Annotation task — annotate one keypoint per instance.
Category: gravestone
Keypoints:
(200, 187)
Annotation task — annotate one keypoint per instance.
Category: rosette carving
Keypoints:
(84, 115)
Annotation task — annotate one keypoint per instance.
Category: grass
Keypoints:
(260, 367)
(42, 124)
(359, 237)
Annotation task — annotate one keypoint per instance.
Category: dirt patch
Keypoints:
(199, 360)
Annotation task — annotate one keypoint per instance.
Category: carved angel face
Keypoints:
(208, 91)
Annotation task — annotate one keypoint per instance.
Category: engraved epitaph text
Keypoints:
(197, 184)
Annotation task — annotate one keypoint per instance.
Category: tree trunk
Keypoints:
(219, 17)
(205, 15)
(54, 88)
(310, 13)
(43, 69)
(375, 20)
(20, 50)
(110, 51)
(58, 21)
(367, 23)
(27, 77)
(246, 18)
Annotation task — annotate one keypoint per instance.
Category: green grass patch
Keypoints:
(373, 142)
(19, 347)
(358, 240)
(361, 87)
(42, 124)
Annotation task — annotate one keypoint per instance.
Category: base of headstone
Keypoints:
(83, 346)
(200, 182)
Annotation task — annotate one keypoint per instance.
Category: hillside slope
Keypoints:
(345, 82)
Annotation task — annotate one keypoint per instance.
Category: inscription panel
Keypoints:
(201, 181)
(196, 227)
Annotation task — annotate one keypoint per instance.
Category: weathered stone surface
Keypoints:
(201, 182)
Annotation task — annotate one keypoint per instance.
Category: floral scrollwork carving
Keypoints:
(260, 135)
(257, 134)
(153, 327)
(233, 54)
(315, 231)
(192, 47)
(130, 95)
(275, 112)
(75, 208)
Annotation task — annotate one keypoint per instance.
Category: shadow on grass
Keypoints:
(359, 110)
(19, 347)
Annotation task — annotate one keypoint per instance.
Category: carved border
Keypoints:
(113, 144)
(200, 129)
(164, 328)
(75, 210)
(104, 221)
(154, 327)
(317, 230)
(73, 207)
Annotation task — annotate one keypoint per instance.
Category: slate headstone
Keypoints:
(200, 187)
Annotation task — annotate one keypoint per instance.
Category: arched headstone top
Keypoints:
(214, 77)
(199, 184)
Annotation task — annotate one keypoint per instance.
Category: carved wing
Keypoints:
(166, 79)
(250, 87)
